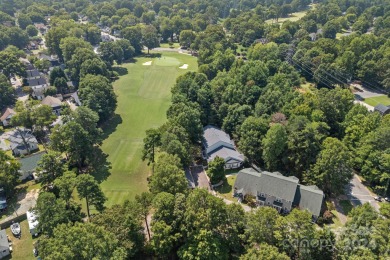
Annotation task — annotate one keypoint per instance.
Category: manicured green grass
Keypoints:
(293, 17)
(374, 101)
(143, 99)
(226, 190)
(346, 205)
(23, 247)
(166, 45)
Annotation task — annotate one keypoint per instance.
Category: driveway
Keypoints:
(199, 177)
(26, 201)
(358, 194)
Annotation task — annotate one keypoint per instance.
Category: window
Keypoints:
(262, 195)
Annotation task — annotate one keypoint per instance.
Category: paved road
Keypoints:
(358, 193)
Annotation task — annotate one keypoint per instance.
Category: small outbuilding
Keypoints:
(382, 109)
(4, 245)
(32, 220)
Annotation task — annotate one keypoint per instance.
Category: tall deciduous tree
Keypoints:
(144, 201)
(96, 92)
(151, 142)
(216, 170)
(88, 188)
(274, 146)
(332, 170)
(150, 37)
(9, 173)
(168, 175)
(7, 93)
(125, 223)
(50, 167)
(81, 241)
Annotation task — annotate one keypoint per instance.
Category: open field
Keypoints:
(374, 101)
(143, 99)
(293, 17)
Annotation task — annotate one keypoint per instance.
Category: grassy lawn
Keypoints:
(143, 99)
(166, 45)
(374, 101)
(23, 247)
(226, 190)
(293, 17)
(346, 205)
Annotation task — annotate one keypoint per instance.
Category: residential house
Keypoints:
(6, 116)
(4, 245)
(54, 103)
(22, 142)
(32, 220)
(36, 81)
(42, 28)
(218, 143)
(28, 165)
(278, 191)
(382, 109)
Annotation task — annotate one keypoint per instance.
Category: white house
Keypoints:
(22, 142)
(4, 244)
(217, 143)
(6, 116)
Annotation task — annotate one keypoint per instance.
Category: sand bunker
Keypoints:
(148, 63)
(184, 67)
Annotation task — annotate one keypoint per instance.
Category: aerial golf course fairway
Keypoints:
(143, 98)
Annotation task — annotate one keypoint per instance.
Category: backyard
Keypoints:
(143, 91)
(23, 247)
(226, 189)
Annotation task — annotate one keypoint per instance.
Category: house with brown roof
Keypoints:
(6, 116)
(54, 103)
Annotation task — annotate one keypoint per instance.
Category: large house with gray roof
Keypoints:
(217, 143)
(278, 191)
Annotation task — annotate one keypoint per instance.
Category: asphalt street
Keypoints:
(358, 193)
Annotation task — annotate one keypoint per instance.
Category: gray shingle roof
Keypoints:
(15, 137)
(214, 137)
(29, 164)
(382, 108)
(3, 240)
(310, 198)
(227, 154)
(218, 143)
(274, 184)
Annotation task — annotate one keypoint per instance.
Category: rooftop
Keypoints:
(7, 112)
(29, 163)
(51, 101)
(3, 240)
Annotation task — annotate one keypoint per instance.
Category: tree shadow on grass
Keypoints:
(151, 55)
(120, 70)
(110, 126)
(100, 166)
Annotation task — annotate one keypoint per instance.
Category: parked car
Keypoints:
(387, 199)
(378, 198)
(3, 200)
